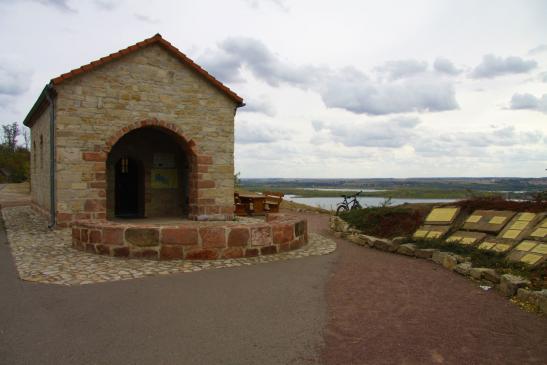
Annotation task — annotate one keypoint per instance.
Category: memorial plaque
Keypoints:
(497, 244)
(430, 232)
(442, 215)
(489, 221)
(520, 226)
(164, 178)
(539, 232)
(529, 252)
(466, 238)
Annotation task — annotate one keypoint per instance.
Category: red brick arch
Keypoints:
(96, 208)
(171, 127)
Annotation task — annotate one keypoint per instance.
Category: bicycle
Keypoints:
(345, 205)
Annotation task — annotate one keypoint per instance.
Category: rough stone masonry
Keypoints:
(148, 86)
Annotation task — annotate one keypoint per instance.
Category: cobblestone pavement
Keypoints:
(46, 256)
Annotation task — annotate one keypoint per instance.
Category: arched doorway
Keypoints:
(148, 175)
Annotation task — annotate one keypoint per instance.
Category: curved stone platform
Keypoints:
(191, 240)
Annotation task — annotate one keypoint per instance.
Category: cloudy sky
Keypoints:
(333, 88)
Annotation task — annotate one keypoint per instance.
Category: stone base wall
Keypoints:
(191, 240)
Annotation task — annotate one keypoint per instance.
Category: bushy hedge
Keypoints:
(386, 222)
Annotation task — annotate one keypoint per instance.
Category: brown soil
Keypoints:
(390, 309)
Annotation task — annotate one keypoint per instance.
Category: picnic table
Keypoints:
(256, 204)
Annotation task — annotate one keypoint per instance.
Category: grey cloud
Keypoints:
(444, 65)
(14, 80)
(402, 68)
(492, 66)
(543, 76)
(106, 4)
(59, 4)
(346, 88)
(473, 144)
(256, 4)
(539, 49)
(265, 65)
(259, 132)
(393, 133)
(259, 105)
(146, 19)
(530, 102)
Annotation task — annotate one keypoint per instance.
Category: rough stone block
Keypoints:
(449, 261)
(268, 250)
(180, 236)
(261, 236)
(407, 249)
(509, 284)
(282, 233)
(425, 253)
(95, 236)
(201, 254)
(103, 249)
(213, 237)
(385, 245)
(491, 275)
(113, 236)
(477, 272)
(463, 268)
(142, 237)
(438, 256)
(238, 236)
(233, 253)
(251, 252)
(168, 252)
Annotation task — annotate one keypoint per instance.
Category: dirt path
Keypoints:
(391, 309)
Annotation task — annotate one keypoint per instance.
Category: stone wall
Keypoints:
(192, 240)
(146, 88)
(40, 162)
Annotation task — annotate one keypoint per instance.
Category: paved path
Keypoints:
(392, 309)
(262, 314)
(383, 309)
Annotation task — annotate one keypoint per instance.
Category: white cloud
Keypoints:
(408, 88)
(14, 80)
(352, 90)
(393, 133)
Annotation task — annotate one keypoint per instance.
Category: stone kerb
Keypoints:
(191, 240)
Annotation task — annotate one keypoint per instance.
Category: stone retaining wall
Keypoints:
(191, 240)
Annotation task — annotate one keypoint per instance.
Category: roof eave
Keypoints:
(38, 107)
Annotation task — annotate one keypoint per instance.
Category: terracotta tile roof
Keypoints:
(157, 39)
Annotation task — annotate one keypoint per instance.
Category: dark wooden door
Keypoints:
(128, 186)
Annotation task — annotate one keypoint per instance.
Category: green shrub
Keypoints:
(384, 221)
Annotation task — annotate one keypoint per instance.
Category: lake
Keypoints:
(330, 202)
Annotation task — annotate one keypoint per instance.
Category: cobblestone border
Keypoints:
(511, 286)
(46, 256)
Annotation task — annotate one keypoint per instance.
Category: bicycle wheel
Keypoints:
(340, 209)
(356, 205)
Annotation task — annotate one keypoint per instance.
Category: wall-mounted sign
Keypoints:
(163, 160)
(164, 178)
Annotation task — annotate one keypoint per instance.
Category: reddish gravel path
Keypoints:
(391, 309)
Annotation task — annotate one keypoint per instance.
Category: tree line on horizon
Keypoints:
(14, 158)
